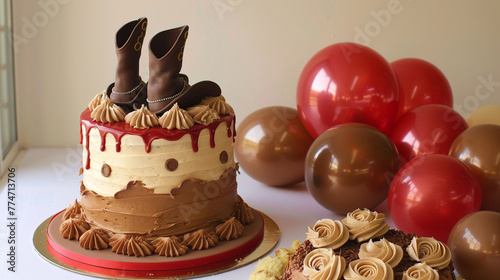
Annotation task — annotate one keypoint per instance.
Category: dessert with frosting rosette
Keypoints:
(360, 246)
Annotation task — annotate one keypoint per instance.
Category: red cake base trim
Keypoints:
(105, 262)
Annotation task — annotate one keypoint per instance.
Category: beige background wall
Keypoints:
(254, 50)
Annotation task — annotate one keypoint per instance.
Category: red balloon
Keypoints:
(420, 83)
(428, 129)
(347, 82)
(431, 193)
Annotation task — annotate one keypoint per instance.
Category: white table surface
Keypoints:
(47, 181)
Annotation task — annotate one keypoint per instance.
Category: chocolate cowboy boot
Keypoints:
(166, 86)
(129, 91)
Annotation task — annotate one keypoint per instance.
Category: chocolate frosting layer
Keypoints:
(194, 204)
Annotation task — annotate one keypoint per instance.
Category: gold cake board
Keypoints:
(270, 237)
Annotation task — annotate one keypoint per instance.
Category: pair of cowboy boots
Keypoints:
(166, 85)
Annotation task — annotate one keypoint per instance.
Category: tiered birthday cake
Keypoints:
(361, 246)
(159, 175)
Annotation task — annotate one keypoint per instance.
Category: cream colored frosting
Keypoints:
(323, 264)
(96, 101)
(176, 118)
(429, 250)
(94, 239)
(73, 228)
(384, 250)
(130, 245)
(169, 246)
(364, 224)
(142, 118)
(203, 114)
(201, 239)
(218, 103)
(368, 269)
(229, 230)
(328, 233)
(421, 271)
(107, 112)
(132, 163)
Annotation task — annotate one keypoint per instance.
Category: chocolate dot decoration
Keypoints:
(171, 164)
(106, 170)
(223, 157)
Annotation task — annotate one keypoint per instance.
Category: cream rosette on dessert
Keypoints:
(142, 118)
(383, 250)
(327, 233)
(368, 269)
(323, 264)
(429, 250)
(365, 224)
(421, 271)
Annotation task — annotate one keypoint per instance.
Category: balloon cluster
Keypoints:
(379, 131)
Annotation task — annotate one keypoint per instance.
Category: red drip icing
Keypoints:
(119, 129)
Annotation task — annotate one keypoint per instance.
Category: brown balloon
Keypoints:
(479, 148)
(271, 146)
(351, 166)
(475, 246)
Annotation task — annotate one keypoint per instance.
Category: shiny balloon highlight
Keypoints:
(271, 146)
(420, 83)
(347, 82)
(428, 129)
(431, 193)
(349, 167)
(475, 246)
(479, 148)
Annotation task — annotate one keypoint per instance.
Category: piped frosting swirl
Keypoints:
(323, 264)
(327, 233)
(244, 212)
(364, 224)
(421, 271)
(97, 100)
(169, 246)
(201, 239)
(73, 228)
(368, 269)
(130, 245)
(107, 112)
(383, 250)
(94, 239)
(429, 250)
(73, 211)
(176, 118)
(142, 118)
(229, 230)
(218, 103)
(203, 114)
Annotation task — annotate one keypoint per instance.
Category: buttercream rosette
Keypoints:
(126, 244)
(229, 230)
(383, 250)
(323, 264)
(176, 118)
(429, 250)
(327, 233)
(217, 103)
(421, 271)
(169, 246)
(368, 269)
(365, 224)
(201, 239)
(142, 118)
(108, 112)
